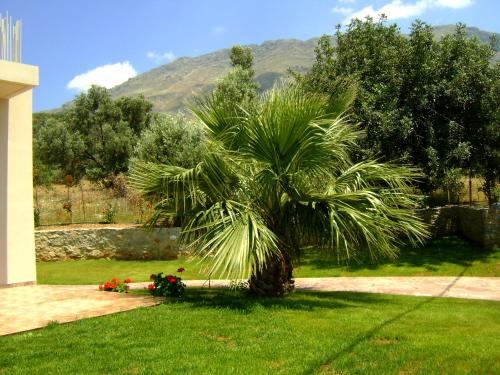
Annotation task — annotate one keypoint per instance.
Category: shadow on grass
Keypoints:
(452, 250)
(220, 298)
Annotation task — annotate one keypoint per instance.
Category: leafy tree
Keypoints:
(109, 130)
(171, 139)
(464, 77)
(419, 100)
(41, 119)
(238, 87)
(241, 57)
(278, 177)
(56, 147)
(93, 137)
(490, 140)
(135, 111)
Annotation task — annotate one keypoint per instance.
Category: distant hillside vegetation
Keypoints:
(170, 86)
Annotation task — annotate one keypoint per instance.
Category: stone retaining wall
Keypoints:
(481, 225)
(108, 243)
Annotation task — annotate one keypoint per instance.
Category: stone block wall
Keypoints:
(442, 220)
(108, 243)
(481, 225)
(492, 225)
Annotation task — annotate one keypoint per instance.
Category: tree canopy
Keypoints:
(93, 137)
(171, 139)
(238, 87)
(422, 101)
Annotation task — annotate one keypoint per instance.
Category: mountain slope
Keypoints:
(170, 86)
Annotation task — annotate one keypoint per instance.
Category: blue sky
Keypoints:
(76, 43)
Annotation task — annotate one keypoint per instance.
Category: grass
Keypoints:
(224, 332)
(449, 256)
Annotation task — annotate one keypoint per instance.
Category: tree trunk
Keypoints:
(275, 279)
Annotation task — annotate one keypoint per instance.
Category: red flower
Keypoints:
(100, 287)
(127, 280)
(115, 280)
(180, 270)
(107, 285)
(151, 287)
(171, 279)
(152, 276)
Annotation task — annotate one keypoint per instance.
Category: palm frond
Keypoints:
(179, 191)
(234, 237)
(222, 123)
(368, 206)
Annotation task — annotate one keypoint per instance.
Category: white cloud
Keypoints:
(398, 9)
(108, 76)
(342, 10)
(161, 57)
(347, 1)
(454, 3)
(394, 10)
(219, 29)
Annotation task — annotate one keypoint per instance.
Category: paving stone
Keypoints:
(30, 307)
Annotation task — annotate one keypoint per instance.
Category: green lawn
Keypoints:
(449, 256)
(223, 332)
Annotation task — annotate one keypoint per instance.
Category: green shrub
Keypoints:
(166, 286)
(171, 139)
(109, 214)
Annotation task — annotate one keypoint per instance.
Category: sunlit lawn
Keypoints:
(223, 332)
(441, 257)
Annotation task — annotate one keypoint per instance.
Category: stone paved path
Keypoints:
(487, 288)
(30, 307)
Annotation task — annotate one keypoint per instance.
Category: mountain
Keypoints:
(484, 36)
(169, 86)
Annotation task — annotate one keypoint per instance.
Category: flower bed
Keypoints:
(115, 285)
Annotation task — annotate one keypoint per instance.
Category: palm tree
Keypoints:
(278, 176)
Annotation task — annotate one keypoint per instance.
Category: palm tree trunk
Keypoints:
(275, 279)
